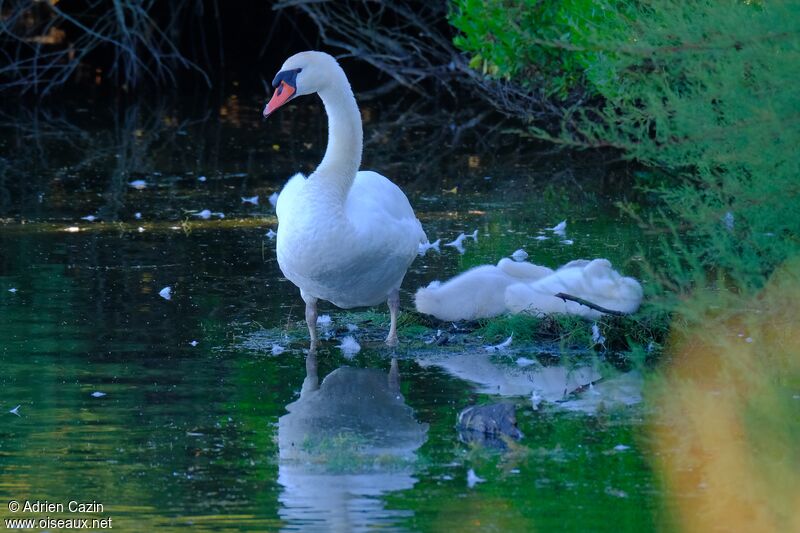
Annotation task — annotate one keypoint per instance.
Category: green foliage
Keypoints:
(539, 44)
(707, 94)
(702, 92)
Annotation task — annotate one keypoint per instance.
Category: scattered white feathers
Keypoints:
(98, 394)
(140, 229)
(205, 214)
(541, 237)
(15, 411)
(349, 346)
(729, 220)
(194, 343)
(458, 243)
(271, 234)
(536, 399)
(473, 479)
(137, 215)
(166, 293)
(90, 218)
(138, 184)
(201, 178)
(560, 228)
(277, 349)
(621, 448)
(519, 255)
(597, 337)
(12, 289)
(502, 346)
(351, 327)
(567, 241)
(250, 200)
(425, 246)
(324, 321)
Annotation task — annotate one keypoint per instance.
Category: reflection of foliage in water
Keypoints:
(348, 452)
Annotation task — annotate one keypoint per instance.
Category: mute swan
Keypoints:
(344, 235)
(594, 281)
(476, 293)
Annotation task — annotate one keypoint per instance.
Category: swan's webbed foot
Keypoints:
(394, 310)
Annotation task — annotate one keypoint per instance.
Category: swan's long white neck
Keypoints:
(345, 138)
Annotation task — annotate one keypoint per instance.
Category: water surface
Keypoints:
(173, 413)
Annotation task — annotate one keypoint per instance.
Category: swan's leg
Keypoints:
(311, 318)
(394, 310)
(394, 376)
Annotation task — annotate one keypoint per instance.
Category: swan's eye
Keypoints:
(287, 76)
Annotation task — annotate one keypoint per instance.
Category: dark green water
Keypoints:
(116, 404)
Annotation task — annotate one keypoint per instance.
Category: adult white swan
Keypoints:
(344, 236)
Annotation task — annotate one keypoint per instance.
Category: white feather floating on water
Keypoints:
(98, 394)
(194, 343)
(560, 228)
(201, 178)
(15, 411)
(271, 234)
(349, 346)
(473, 478)
(519, 255)
(12, 289)
(138, 184)
(137, 215)
(205, 214)
(277, 349)
(541, 237)
(458, 243)
(567, 241)
(250, 200)
(166, 293)
(425, 246)
(90, 218)
(502, 346)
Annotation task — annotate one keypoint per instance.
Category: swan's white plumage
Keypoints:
(352, 255)
(344, 236)
(595, 281)
(476, 293)
(521, 287)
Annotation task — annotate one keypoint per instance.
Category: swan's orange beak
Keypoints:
(283, 93)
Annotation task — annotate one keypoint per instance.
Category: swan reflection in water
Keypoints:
(343, 443)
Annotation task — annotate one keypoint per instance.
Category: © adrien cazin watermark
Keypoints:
(42, 519)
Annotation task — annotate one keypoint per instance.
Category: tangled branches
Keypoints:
(410, 41)
(42, 45)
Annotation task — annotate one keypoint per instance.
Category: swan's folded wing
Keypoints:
(287, 199)
(374, 199)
